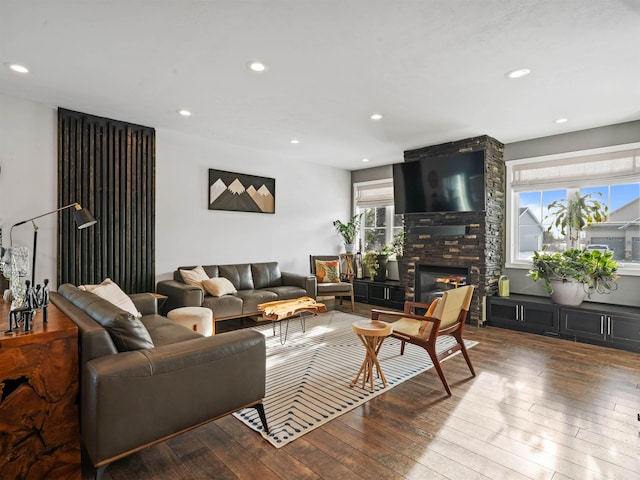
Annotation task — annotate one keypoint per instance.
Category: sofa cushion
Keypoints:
(252, 298)
(218, 286)
(266, 275)
(126, 330)
(225, 306)
(110, 291)
(239, 275)
(286, 292)
(164, 331)
(328, 271)
(195, 276)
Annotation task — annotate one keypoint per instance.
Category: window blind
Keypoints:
(374, 194)
(617, 166)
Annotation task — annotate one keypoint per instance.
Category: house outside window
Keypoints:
(611, 176)
(374, 200)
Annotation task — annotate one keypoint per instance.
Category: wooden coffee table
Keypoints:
(286, 309)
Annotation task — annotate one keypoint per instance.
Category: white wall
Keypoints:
(28, 177)
(308, 198)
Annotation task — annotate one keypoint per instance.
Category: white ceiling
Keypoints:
(434, 69)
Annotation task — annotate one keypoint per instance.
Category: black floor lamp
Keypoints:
(81, 215)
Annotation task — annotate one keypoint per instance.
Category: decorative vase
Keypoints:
(567, 293)
(381, 274)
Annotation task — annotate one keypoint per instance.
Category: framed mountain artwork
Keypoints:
(241, 193)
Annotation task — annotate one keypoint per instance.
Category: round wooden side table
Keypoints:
(372, 333)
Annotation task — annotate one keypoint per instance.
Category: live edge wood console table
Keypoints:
(39, 427)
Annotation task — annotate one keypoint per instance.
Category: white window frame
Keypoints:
(512, 223)
(387, 203)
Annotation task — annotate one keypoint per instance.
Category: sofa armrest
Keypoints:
(179, 295)
(308, 282)
(146, 303)
(133, 399)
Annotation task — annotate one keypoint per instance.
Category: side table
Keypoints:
(372, 333)
(39, 406)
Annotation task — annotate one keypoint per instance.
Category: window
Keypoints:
(611, 176)
(379, 223)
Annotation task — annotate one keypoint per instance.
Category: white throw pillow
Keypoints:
(111, 292)
(218, 286)
(195, 277)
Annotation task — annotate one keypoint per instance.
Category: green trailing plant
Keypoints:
(349, 230)
(573, 215)
(371, 258)
(596, 270)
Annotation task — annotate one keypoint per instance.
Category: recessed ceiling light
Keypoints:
(376, 116)
(295, 141)
(561, 120)
(184, 113)
(365, 160)
(17, 67)
(257, 66)
(518, 73)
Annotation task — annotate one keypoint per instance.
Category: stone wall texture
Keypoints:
(474, 240)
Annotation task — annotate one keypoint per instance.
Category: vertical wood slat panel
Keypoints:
(107, 166)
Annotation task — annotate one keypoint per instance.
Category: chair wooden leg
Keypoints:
(458, 337)
(353, 303)
(402, 347)
(436, 364)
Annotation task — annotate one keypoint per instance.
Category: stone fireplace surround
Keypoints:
(471, 241)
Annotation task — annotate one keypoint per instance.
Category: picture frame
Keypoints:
(239, 192)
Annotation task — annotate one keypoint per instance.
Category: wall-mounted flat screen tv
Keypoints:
(452, 183)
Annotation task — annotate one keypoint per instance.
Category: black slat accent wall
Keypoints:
(108, 167)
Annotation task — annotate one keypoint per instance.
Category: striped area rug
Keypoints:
(308, 377)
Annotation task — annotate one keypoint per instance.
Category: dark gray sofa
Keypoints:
(132, 397)
(255, 283)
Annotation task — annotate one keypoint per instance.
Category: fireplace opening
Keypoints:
(433, 280)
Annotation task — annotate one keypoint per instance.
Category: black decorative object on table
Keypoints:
(35, 299)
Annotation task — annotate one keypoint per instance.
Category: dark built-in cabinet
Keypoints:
(519, 312)
(598, 323)
(388, 294)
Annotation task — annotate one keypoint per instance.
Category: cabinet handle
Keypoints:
(601, 324)
(522, 313)
(609, 326)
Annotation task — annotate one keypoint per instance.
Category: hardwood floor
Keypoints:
(539, 408)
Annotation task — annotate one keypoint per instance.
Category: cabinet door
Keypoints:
(525, 316)
(360, 292)
(583, 323)
(503, 312)
(624, 330)
(540, 318)
(377, 294)
(395, 298)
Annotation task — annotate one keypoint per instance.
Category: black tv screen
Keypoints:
(452, 183)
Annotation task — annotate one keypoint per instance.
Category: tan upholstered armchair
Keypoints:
(332, 283)
(445, 316)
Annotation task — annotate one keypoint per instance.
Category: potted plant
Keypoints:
(376, 262)
(395, 262)
(349, 231)
(571, 275)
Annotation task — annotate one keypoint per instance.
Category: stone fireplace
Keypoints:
(458, 244)
(433, 280)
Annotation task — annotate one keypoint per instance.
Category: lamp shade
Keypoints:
(83, 218)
